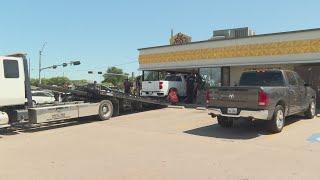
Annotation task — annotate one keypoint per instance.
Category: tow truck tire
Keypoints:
(225, 122)
(105, 110)
(277, 122)
(311, 111)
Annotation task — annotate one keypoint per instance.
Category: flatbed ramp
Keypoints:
(88, 94)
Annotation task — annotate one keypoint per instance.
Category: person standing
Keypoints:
(196, 86)
(127, 86)
(190, 88)
(138, 86)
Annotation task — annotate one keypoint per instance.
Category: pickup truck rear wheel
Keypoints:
(225, 122)
(276, 124)
(311, 111)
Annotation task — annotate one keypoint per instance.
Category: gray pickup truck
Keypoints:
(270, 95)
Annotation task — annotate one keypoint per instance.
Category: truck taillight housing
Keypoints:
(263, 98)
(160, 85)
(208, 96)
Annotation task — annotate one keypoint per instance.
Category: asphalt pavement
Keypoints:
(161, 144)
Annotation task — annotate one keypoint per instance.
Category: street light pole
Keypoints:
(40, 55)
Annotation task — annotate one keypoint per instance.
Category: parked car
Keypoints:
(270, 95)
(42, 97)
(162, 88)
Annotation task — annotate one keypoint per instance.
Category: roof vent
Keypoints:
(233, 33)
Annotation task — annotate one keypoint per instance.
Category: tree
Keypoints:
(59, 81)
(114, 76)
(79, 82)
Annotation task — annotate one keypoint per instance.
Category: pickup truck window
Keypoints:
(11, 68)
(291, 78)
(269, 78)
(299, 79)
(153, 75)
(150, 75)
(173, 78)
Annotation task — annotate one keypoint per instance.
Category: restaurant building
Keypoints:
(221, 59)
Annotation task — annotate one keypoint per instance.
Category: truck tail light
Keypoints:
(263, 98)
(208, 96)
(160, 85)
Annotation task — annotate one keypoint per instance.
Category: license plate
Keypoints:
(232, 110)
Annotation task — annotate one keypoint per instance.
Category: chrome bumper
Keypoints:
(260, 114)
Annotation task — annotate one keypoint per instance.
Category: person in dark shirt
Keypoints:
(127, 86)
(190, 88)
(138, 86)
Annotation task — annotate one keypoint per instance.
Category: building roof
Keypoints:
(259, 35)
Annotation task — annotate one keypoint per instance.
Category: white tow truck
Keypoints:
(15, 91)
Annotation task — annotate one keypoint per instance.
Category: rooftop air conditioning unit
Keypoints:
(234, 33)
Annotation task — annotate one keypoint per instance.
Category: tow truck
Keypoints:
(16, 99)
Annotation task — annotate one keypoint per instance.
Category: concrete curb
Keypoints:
(201, 108)
(176, 107)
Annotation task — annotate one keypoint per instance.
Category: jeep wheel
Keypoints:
(311, 111)
(225, 121)
(277, 122)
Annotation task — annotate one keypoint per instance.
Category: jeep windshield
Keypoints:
(262, 78)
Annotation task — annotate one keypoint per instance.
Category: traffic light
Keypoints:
(54, 67)
(64, 64)
(90, 72)
(75, 63)
(99, 72)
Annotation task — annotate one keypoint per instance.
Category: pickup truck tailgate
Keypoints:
(150, 86)
(235, 97)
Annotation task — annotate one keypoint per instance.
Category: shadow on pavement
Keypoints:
(242, 129)
(31, 128)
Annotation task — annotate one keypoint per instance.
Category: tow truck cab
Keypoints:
(12, 81)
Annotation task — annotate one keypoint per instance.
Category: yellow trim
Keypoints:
(251, 50)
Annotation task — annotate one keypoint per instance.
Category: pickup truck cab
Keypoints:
(162, 88)
(269, 95)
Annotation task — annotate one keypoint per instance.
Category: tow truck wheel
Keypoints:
(225, 122)
(277, 122)
(311, 111)
(105, 110)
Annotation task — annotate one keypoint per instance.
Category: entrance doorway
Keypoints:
(311, 75)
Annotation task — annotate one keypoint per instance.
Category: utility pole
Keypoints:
(29, 68)
(40, 54)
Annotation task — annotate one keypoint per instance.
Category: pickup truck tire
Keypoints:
(105, 110)
(225, 122)
(311, 111)
(277, 122)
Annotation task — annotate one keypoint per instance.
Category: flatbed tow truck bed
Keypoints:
(88, 102)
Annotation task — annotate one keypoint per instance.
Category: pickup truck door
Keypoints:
(293, 93)
(303, 96)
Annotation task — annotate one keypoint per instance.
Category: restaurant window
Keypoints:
(211, 77)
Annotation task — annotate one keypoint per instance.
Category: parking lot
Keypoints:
(161, 144)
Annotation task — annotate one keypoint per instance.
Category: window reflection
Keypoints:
(211, 76)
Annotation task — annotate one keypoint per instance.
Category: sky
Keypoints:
(102, 33)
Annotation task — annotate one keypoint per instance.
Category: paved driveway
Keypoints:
(161, 144)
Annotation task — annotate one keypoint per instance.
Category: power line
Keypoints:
(106, 67)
